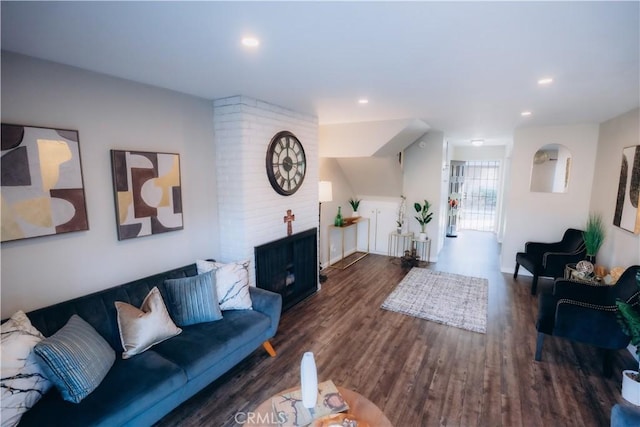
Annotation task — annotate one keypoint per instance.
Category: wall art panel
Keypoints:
(148, 194)
(41, 181)
(627, 214)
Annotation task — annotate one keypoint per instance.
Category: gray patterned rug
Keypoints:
(447, 298)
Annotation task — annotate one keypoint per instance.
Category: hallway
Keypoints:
(473, 253)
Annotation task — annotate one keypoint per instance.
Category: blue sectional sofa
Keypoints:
(141, 390)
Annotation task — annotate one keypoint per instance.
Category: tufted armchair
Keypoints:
(587, 313)
(549, 259)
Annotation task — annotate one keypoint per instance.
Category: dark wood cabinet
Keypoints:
(289, 266)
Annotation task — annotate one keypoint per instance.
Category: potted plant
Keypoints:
(355, 204)
(423, 217)
(593, 236)
(629, 319)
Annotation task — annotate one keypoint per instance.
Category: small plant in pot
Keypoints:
(424, 217)
(629, 319)
(593, 236)
(355, 204)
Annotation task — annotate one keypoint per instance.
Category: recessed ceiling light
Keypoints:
(250, 41)
(545, 81)
(477, 142)
(363, 101)
(525, 113)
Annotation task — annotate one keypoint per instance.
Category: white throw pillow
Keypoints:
(142, 328)
(23, 383)
(232, 283)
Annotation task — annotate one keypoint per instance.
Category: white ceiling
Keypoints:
(467, 69)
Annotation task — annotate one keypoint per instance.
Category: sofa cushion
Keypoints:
(130, 388)
(232, 283)
(75, 359)
(201, 346)
(140, 329)
(193, 300)
(23, 382)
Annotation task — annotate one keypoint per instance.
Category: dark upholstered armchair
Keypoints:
(586, 313)
(549, 259)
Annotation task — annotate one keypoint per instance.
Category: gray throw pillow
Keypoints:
(75, 359)
(193, 299)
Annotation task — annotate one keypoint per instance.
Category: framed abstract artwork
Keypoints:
(148, 193)
(41, 182)
(627, 214)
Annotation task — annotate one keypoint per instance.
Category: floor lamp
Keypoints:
(325, 194)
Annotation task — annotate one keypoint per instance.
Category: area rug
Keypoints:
(446, 298)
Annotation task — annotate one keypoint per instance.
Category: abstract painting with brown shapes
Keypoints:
(42, 186)
(148, 194)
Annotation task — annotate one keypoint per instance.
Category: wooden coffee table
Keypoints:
(361, 407)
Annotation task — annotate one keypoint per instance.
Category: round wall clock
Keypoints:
(286, 163)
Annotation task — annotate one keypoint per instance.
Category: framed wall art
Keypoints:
(627, 214)
(41, 182)
(148, 193)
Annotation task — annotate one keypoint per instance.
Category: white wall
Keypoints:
(544, 217)
(487, 152)
(621, 247)
(423, 179)
(364, 139)
(109, 113)
(375, 176)
(251, 212)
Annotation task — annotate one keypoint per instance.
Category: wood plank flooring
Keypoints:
(418, 372)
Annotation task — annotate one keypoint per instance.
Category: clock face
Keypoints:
(286, 163)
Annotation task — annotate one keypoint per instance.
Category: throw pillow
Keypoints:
(23, 383)
(232, 283)
(76, 359)
(142, 328)
(193, 299)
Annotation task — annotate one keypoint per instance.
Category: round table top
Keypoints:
(359, 406)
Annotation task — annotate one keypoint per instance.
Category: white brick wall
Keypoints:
(250, 211)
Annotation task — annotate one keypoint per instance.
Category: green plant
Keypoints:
(593, 234)
(629, 319)
(355, 203)
(424, 216)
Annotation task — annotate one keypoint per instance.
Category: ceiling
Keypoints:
(468, 69)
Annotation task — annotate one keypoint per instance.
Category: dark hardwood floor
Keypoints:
(418, 372)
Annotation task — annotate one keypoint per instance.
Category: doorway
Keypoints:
(475, 193)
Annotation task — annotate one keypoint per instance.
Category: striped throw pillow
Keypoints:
(75, 359)
(193, 300)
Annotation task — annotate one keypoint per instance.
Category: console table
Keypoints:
(358, 254)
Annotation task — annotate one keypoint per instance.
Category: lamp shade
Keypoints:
(325, 193)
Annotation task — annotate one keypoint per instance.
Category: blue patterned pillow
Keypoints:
(193, 299)
(75, 359)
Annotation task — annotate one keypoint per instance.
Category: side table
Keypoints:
(423, 248)
(398, 243)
